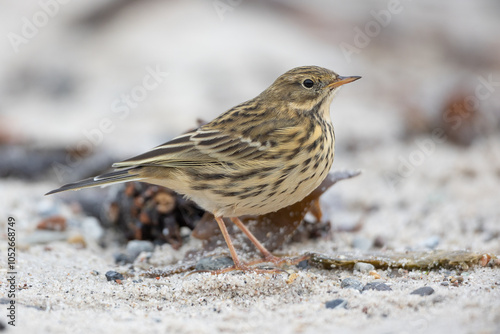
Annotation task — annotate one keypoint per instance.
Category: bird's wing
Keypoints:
(200, 147)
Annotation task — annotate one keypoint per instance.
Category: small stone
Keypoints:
(92, 229)
(431, 242)
(122, 258)
(379, 242)
(378, 286)
(113, 276)
(78, 240)
(423, 291)
(292, 278)
(304, 264)
(336, 303)
(351, 283)
(214, 263)
(48, 207)
(445, 283)
(375, 274)
(364, 267)
(485, 259)
(362, 244)
(136, 247)
(456, 280)
(54, 223)
(438, 299)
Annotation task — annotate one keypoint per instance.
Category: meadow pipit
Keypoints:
(258, 157)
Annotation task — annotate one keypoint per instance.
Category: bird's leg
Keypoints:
(238, 265)
(268, 257)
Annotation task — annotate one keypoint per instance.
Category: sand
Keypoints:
(417, 192)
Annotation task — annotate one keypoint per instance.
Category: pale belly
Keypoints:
(256, 195)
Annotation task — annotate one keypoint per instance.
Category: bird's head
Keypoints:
(306, 87)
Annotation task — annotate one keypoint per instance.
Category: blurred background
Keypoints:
(83, 84)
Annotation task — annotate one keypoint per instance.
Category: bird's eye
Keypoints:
(308, 83)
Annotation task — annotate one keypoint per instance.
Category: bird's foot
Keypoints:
(247, 267)
(280, 261)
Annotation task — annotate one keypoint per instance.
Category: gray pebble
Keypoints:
(92, 229)
(431, 242)
(361, 243)
(438, 299)
(113, 275)
(351, 283)
(304, 264)
(423, 291)
(379, 242)
(136, 247)
(214, 263)
(363, 267)
(336, 303)
(122, 258)
(378, 286)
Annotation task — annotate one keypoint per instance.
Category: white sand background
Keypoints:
(448, 196)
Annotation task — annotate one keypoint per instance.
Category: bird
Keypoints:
(260, 156)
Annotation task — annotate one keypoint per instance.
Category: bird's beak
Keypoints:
(342, 81)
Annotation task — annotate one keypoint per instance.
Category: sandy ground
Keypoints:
(416, 192)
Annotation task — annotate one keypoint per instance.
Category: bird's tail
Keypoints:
(123, 175)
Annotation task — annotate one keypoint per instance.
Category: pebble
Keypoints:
(379, 242)
(92, 229)
(438, 299)
(336, 303)
(48, 207)
(485, 260)
(431, 242)
(351, 283)
(122, 258)
(456, 280)
(379, 286)
(214, 263)
(136, 247)
(304, 264)
(52, 223)
(113, 276)
(362, 244)
(423, 291)
(78, 240)
(363, 267)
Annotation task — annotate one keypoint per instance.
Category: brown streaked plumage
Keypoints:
(258, 157)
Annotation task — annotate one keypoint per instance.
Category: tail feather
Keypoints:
(118, 176)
